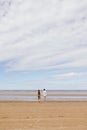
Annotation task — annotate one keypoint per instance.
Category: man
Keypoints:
(44, 94)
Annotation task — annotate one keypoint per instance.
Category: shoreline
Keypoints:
(66, 101)
(42, 95)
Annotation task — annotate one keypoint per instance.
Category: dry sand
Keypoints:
(43, 116)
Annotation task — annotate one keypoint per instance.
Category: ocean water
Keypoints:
(52, 95)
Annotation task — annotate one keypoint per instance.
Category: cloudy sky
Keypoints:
(43, 44)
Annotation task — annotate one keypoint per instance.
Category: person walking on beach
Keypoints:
(44, 94)
(39, 95)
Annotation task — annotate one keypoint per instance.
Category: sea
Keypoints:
(52, 95)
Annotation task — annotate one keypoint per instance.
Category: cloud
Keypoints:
(70, 75)
(44, 35)
(70, 81)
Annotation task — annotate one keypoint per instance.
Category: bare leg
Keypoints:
(44, 98)
(39, 100)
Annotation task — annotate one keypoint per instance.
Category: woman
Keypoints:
(39, 95)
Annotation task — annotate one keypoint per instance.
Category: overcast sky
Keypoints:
(43, 44)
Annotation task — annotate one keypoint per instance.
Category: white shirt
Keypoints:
(44, 93)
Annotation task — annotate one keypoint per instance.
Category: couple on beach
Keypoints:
(44, 93)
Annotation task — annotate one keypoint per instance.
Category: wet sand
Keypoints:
(43, 116)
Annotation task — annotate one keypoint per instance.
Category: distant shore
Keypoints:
(43, 116)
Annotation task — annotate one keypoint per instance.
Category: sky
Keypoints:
(43, 44)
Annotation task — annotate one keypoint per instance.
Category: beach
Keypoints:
(15, 115)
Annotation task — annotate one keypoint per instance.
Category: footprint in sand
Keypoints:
(4, 117)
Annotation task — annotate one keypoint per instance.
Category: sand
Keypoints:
(43, 116)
